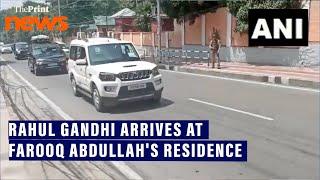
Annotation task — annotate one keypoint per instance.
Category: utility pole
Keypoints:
(59, 7)
(59, 15)
(159, 30)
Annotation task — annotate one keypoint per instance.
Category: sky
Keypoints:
(5, 4)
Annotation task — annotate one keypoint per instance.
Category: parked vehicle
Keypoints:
(20, 50)
(110, 71)
(6, 49)
(64, 47)
(44, 56)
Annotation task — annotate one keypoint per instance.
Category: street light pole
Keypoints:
(159, 30)
(59, 7)
(59, 16)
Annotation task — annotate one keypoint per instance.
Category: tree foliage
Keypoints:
(82, 11)
(143, 15)
(239, 9)
(189, 10)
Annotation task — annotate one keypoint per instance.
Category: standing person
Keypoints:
(214, 46)
(218, 54)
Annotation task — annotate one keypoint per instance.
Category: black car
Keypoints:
(20, 50)
(46, 56)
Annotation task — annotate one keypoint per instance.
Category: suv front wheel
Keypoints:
(157, 97)
(96, 99)
(74, 87)
(36, 70)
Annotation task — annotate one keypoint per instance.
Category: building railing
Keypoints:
(184, 56)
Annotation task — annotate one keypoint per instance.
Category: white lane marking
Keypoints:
(122, 166)
(245, 81)
(232, 109)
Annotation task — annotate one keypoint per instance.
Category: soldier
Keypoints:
(214, 46)
(218, 54)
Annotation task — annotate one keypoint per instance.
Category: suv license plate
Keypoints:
(52, 64)
(136, 86)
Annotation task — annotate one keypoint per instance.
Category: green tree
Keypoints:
(144, 16)
(131, 4)
(240, 9)
(189, 10)
(82, 11)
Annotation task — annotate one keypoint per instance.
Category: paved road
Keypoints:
(280, 124)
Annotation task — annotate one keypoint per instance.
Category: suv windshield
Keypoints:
(21, 46)
(109, 53)
(46, 49)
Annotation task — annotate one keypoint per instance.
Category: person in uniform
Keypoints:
(214, 46)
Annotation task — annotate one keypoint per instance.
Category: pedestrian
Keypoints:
(214, 46)
(218, 54)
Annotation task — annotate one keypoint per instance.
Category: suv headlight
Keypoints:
(155, 71)
(107, 76)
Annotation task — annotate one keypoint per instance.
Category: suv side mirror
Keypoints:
(142, 56)
(81, 62)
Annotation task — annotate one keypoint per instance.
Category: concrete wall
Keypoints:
(175, 37)
(314, 21)
(238, 39)
(147, 39)
(192, 33)
(217, 20)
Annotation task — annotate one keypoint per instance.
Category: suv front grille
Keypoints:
(135, 75)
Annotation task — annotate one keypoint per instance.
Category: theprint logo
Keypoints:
(30, 23)
(278, 27)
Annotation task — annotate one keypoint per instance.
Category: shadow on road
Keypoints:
(2, 63)
(135, 106)
(50, 72)
(139, 106)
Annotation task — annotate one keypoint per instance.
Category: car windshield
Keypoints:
(109, 53)
(41, 50)
(21, 46)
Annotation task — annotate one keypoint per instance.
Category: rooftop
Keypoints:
(126, 12)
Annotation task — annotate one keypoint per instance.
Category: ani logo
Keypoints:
(278, 27)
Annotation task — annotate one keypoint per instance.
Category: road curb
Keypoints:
(303, 83)
(252, 77)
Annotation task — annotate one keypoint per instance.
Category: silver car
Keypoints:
(6, 49)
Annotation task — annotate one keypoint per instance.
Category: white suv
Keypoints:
(111, 71)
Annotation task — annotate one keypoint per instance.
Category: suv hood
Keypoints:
(50, 58)
(119, 67)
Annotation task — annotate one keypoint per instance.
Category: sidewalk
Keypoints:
(292, 76)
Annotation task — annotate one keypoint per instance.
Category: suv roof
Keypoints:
(96, 41)
(40, 39)
(21, 43)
